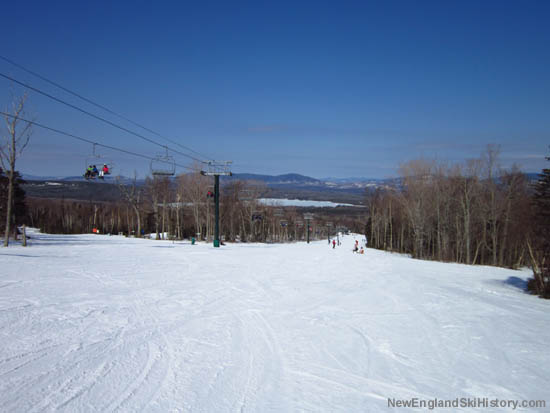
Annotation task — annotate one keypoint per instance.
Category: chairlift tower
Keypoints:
(308, 217)
(215, 169)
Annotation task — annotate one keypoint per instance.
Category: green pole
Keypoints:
(217, 210)
(307, 220)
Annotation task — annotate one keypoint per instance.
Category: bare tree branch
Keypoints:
(11, 148)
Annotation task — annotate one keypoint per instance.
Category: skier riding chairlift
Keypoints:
(104, 171)
(91, 172)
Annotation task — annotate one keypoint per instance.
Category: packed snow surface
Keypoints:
(99, 323)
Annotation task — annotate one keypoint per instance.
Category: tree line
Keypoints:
(471, 213)
(182, 208)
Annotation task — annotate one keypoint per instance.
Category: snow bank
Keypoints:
(99, 323)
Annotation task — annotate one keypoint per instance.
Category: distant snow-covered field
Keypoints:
(99, 323)
(301, 203)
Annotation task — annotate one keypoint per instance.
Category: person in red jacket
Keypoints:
(103, 171)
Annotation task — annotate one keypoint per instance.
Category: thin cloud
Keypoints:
(265, 129)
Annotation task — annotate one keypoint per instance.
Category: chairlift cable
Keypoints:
(96, 116)
(70, 135)
(112, 112)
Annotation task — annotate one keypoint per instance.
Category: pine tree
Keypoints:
(540, 254)
(542, 195)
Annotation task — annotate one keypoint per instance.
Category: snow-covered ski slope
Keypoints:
(93, 323)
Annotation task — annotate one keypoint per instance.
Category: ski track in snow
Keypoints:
(92, 323)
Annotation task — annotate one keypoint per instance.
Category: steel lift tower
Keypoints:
(215, 169)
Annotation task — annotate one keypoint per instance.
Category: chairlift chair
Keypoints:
(163, 165)
(95, 159)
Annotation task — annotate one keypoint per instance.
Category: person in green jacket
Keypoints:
(89, 172)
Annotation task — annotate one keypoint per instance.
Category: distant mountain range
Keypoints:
(27, 177)
(276, 179)
(291, 179)
(301, 180)
(287, 186)
(108, 179)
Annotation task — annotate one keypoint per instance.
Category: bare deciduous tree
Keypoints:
(193, 189)
(18, 133)
(132, 195)
(468, 213)
(152, 188)
(417, 180)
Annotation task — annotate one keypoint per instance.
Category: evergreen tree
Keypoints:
(19, 205)
(542, 196)
(540, 284)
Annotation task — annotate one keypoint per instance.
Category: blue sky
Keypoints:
(319, 88)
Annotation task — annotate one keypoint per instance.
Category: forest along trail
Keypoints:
(99, 323)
